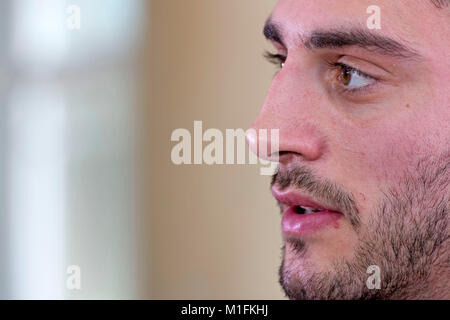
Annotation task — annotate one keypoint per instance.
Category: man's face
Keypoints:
(364, 120)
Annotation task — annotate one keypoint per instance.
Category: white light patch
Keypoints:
(36, 184)
(39, 34)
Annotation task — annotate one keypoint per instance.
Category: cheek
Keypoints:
(369, 160)
(381, 154)
(382, 149)
(385, 155)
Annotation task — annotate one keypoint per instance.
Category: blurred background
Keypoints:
(90, 93)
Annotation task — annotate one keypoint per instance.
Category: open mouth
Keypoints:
(306, 210)
(303, 216)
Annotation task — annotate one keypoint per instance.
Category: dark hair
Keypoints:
(441, 3)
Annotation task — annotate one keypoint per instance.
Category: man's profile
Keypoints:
(364, 147)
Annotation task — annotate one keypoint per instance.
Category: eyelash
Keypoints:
(278, 60)
(340, 67)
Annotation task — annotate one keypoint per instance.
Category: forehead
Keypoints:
(415, 23)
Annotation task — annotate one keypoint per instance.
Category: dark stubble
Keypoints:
(407, 237)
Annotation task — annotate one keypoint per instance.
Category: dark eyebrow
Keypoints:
(272, 32)
(333, 39)
(360, 38)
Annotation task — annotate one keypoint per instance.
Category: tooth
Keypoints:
(308, 210)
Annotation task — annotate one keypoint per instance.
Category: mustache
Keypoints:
(331, 194)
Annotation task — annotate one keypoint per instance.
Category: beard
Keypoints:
(406, 236)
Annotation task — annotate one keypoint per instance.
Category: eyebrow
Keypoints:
(339, 38)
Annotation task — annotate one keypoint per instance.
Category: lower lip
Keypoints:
(299, 225)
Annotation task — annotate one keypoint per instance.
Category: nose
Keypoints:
(290, 107)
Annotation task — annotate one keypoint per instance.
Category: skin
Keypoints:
(370, 143)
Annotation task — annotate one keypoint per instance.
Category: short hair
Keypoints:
(441, 3)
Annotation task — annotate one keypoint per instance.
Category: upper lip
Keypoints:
(291, 197)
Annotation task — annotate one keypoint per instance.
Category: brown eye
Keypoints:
(345, 76)
(351, 78)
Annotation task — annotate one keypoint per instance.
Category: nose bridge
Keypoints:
(290, 108)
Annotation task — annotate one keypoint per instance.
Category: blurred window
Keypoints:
(67, 107)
